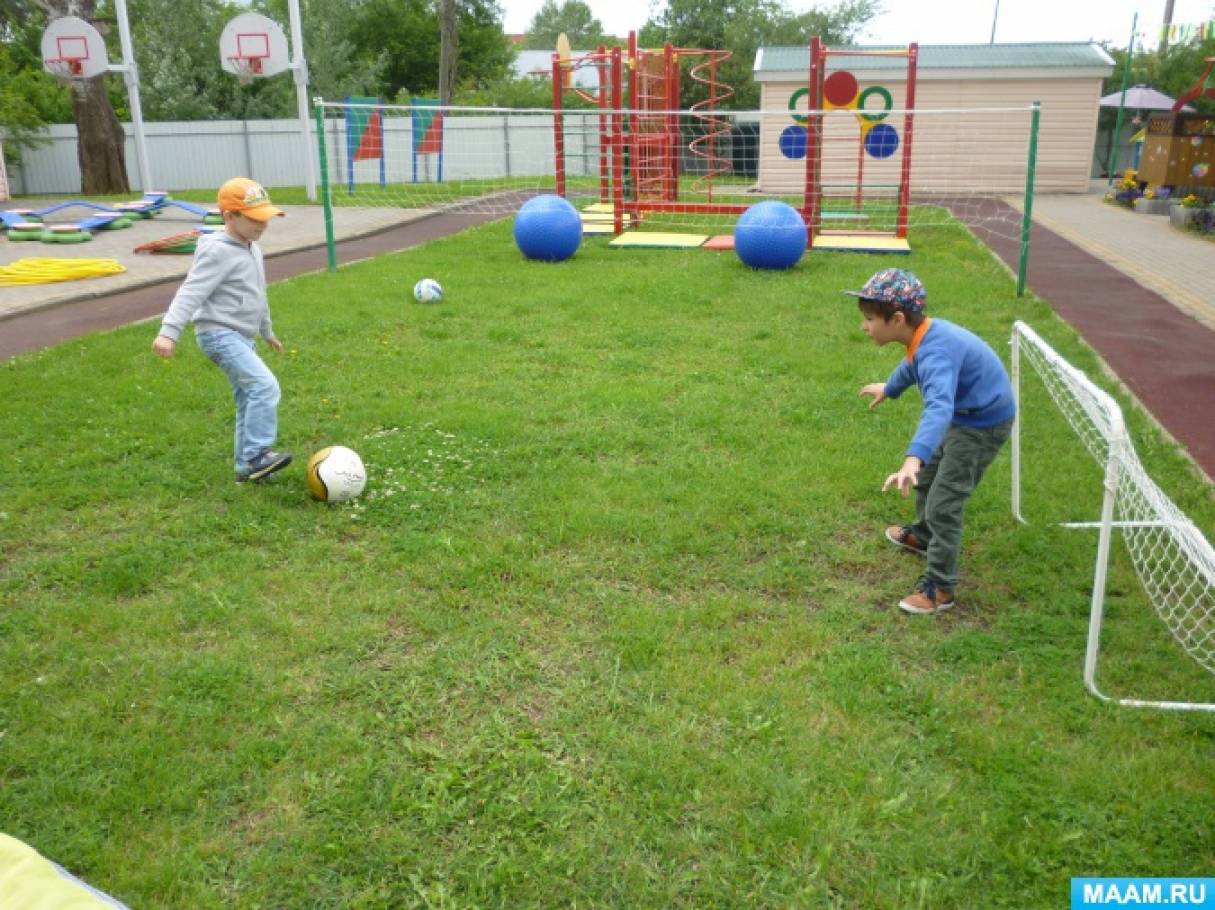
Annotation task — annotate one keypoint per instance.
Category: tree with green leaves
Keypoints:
(30, 97)
(1173, 72)
(574, 18)
(405, 35)
(337, 64)
(742, 27)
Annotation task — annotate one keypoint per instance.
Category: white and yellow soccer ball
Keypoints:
(336, 474)
(428, 291)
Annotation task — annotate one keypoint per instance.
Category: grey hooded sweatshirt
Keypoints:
(225, 289)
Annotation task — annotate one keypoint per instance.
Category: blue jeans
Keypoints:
(253, 386)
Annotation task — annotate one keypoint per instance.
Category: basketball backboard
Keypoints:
(73, 49)
(253, 45)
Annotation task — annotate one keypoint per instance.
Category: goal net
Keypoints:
(1174, 562)
(692, 170)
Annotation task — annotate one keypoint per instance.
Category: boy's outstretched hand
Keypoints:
(164, 346)
(904, 477)
(877, 390)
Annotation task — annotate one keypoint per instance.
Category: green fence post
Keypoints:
(330, 244)
(1028, 215)
(1126, 77)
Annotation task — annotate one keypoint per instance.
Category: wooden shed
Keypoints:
(1179, 150)
(965, 139)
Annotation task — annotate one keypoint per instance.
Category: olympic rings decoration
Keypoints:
(793, 99)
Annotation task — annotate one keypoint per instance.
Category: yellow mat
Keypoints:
(600, 207)
(605, 216)
(657, 239)
(860, 243)
(603, 222)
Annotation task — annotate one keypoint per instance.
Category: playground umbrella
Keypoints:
(1141, 98)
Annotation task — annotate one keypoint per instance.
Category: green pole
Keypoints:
(1028, 215)
(1126, 75)
(330, 245)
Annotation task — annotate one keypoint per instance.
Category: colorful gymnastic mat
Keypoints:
(658, 239)
(861, 243)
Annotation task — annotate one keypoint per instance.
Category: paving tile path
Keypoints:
(1142, 294)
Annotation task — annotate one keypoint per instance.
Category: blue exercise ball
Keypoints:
(770, 235)
(548, 228)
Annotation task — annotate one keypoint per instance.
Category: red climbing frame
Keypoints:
(643, 117)
(813, 206)
(563, 81)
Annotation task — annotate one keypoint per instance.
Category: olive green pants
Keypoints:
(942, 488)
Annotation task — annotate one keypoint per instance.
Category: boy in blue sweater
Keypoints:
(968, 415)
(224, 295)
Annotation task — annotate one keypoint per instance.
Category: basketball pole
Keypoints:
(131, 76)
(299, 72)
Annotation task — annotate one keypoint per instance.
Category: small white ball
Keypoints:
(428, 291)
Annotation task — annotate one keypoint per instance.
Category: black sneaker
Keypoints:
(264, 465)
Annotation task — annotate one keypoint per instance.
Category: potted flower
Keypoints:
(1204, 221)
(1126, 190)
(1154, 201)
(1186, 210)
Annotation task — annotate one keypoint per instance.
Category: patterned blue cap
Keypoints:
(897, 286)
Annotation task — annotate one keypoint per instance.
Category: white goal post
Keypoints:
(1173, 560)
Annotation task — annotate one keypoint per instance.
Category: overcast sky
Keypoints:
(952, 22)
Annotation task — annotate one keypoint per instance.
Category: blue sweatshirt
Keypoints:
(961, 379)
(225, 289)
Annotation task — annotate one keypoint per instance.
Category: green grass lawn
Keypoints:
(613, 624)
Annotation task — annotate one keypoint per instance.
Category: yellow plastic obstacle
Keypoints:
(40, 270)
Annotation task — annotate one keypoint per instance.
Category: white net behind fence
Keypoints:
(1173, 560)
(964, 163)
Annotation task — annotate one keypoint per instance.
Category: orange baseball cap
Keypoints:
(240, 194)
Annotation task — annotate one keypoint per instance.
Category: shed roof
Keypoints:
(1038, 56)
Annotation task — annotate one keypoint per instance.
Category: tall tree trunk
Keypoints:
(101, 143)
(448, 50)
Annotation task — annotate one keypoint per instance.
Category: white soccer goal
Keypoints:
(1173, 560)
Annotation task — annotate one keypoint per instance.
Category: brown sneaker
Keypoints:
(902, 537)
(927, 598)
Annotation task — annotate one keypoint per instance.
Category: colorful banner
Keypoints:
(1185, 33)
(427, 126)
(364, 135)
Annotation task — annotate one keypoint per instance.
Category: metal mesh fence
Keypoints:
(697, 169)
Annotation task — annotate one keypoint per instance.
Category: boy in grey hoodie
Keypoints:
(224, 295)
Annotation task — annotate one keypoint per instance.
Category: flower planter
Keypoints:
(1180, 216)
(1145, 206)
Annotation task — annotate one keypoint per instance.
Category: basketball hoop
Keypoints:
(66, 68)
(246, 68)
